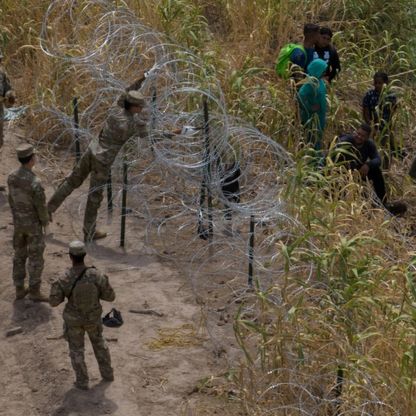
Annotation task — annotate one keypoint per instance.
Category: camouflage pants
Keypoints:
(1, 123)
(28, 245)
(99, 177)
(75, 335)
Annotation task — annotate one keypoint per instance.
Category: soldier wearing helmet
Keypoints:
(83, 287)
(30, 217)
(124, 121)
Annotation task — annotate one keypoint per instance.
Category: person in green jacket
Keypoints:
(312, 103)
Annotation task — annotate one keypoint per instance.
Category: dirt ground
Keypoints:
(36, 374)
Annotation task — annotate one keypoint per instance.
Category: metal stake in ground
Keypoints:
(153, 116)
(124, 203)
(109, 195)
(206, 183)
(76, 126)
(251, 252)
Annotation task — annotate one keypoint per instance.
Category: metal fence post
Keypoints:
(124, 203)
(76, 126)
(251, 252)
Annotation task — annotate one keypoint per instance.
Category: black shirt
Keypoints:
(330, 56)
(358, 156)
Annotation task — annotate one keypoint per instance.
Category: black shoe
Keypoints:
(396, 208)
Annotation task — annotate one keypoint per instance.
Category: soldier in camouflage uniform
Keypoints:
(83, 287)
(6, 95)
(30, 216)
(123, 122)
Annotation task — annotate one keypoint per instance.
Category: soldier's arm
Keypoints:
(39, 201)
(106, 291)
(56, 295)
(136, 84)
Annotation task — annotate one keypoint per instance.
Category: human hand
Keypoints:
(10, 98)
(364, 169)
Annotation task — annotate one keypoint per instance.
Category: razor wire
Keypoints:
(108, 48)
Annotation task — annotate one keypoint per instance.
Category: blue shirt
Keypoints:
(380, 108)
(302, 59)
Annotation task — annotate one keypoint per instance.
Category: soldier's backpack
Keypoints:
(282, 66)
(84, 293)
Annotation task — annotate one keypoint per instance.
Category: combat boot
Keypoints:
(81, 385)
(21, 292)
(36, 295)
(107, 374)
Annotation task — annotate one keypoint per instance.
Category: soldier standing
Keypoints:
(30, 216)
(7, 95)
(83, 287)
(124, 121)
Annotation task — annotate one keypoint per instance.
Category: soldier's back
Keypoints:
(83, 294)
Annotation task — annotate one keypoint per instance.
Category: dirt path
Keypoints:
(36, 375)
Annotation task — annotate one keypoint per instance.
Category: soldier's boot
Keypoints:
(36, 295)
(82, 385)
(107, 374)
(21, 292)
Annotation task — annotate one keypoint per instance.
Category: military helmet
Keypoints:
(77, 248)
(25, 150)
(135, 98)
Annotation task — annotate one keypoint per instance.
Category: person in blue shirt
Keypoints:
(312, 103)
(303, 57)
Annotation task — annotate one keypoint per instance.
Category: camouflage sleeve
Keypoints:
(7, 86)
(106, 291)
(142, 123)
(56, 295)
(39, 201)
(114, 126)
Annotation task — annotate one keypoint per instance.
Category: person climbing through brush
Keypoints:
(312, 104)
(359, 152)
(325, 50)
(294, 58)
(379, 105)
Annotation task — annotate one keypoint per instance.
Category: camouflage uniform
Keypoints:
(5, 92)
(82, 314)
(30, 215)
(120, 126)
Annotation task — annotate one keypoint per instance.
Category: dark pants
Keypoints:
(230, 187)
(375, 175)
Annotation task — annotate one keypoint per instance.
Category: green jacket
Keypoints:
(312, 96)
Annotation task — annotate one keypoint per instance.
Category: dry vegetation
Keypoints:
(361, 316)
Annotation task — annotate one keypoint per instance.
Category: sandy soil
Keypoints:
(36, 375)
